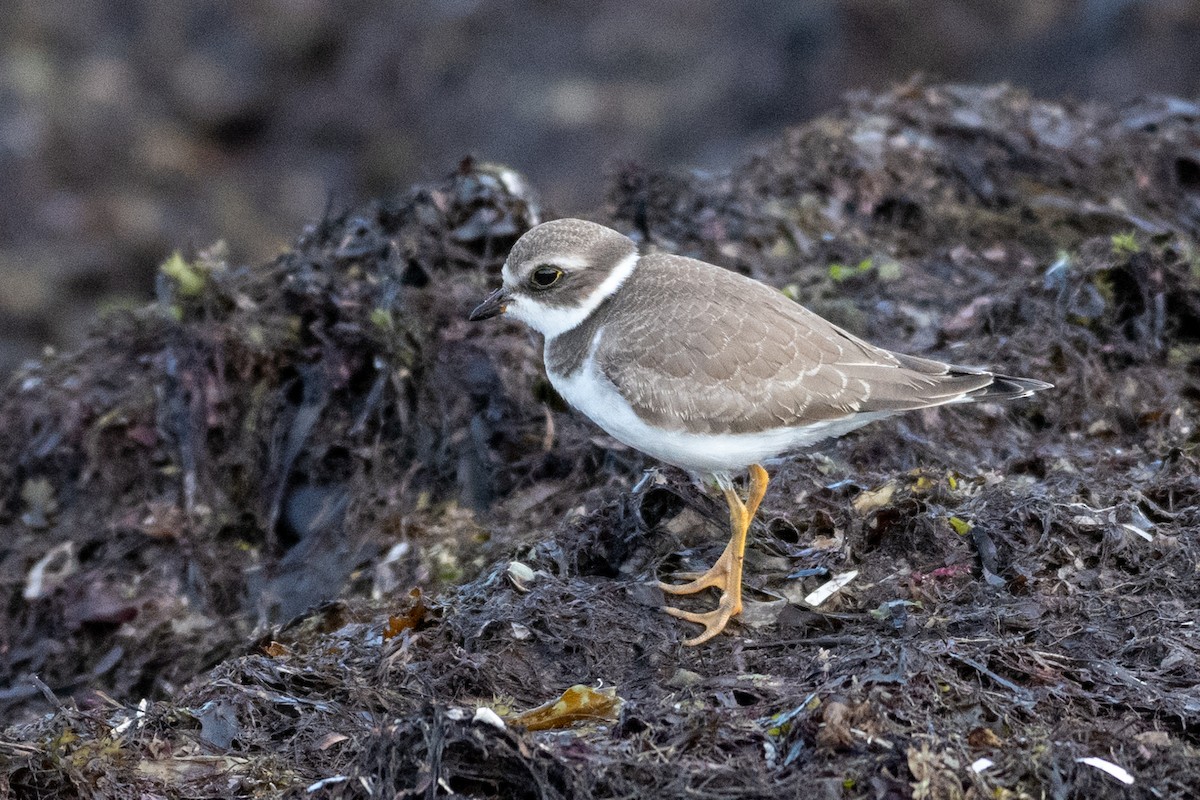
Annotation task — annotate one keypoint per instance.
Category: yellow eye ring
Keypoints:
(544, 277)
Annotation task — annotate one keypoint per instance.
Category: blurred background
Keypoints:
(129, 128)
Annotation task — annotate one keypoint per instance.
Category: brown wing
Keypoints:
(726, 353)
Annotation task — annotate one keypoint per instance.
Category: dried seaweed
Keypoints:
(299, 522)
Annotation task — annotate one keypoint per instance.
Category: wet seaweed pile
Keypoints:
(301, 530)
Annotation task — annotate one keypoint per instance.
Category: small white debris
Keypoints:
(520, 574)
(981, 764)
(388, 572)
(1136, 531)
(396, 552)
(333, 780)
(139, 715)
(521, 632)
(1120, 773)
(50, 571)
(829, 588)
(488, 717)
(456, 714)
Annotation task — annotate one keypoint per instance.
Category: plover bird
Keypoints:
(708, 370)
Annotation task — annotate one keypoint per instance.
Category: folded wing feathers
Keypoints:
(914, 383)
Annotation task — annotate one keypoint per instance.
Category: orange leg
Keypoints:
(726, 574)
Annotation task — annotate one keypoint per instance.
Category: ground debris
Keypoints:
(576, 704)
(299, 530)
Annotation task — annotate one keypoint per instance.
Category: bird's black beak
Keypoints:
(495, 303)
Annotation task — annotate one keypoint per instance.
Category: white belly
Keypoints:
(598, 399)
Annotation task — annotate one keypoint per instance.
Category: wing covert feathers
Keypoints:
(759, 361)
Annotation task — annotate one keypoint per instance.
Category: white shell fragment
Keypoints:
(488, 717)
(521, 575)
(1118, 772)
(828, 589)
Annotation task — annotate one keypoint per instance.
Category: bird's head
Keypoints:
(558, 273)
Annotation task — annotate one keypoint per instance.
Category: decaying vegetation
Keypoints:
(300, 530)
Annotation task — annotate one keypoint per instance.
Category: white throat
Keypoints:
(552, 321)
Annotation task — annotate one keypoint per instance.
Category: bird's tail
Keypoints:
(1003, 387)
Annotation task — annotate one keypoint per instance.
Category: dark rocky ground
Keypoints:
(283, 532)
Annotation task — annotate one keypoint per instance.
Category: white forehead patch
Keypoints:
(551, 321)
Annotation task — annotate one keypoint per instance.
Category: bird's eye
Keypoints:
(545, 277)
